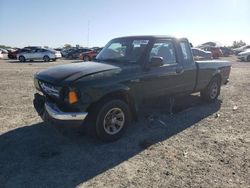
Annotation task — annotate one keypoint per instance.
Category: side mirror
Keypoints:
(156, 61)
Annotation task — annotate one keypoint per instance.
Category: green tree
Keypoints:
(237, 44)
(67, 46)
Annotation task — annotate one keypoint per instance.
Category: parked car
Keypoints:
(106, 93)
(3, 54)
(200, 54)
(216, 51)
(75, 53)
(241, 49)
(226, 51)
(244, 56)
(90, 55)
(38, 54)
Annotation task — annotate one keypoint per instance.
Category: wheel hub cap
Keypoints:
(114, 121)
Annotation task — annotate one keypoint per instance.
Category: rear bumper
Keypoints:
(42, 106)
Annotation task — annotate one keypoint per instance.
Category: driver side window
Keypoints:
(117, 50)
(164, 49)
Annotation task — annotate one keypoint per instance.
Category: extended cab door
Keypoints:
(188, 67)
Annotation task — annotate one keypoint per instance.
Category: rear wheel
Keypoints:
(86, 58)
(212, 91)
(110, 119)
(22, 59)
(46, 58)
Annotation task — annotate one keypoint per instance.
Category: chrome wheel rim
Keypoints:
(113, 121)
(214, 90)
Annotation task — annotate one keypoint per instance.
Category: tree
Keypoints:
(237, 44)
(67, 46)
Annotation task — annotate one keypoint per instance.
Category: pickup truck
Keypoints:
(107, 91)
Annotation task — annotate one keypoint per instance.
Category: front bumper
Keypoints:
(56, 113)
(242, 58)
(42, 106)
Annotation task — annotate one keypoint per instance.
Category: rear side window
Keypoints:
(164, 49)
(185, 48)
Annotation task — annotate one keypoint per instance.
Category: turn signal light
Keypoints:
(72, 97)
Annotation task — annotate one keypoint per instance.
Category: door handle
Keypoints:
(179, 70)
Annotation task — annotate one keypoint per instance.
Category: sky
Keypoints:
(54, 23)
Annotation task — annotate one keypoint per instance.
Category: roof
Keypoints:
(150, 37)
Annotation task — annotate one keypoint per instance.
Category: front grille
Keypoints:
(49, 89)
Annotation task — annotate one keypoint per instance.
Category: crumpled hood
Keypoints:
(72, 72)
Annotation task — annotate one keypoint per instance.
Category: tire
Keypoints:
(22, 58)
(212, 91)
(46, 58)
(86, 58)
(105, 116)
(248, 58)
(53, 59)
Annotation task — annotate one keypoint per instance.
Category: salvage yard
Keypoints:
(200, 145)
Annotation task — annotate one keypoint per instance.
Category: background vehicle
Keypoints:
(38, 54)
(75, 53)
(200, 54)
(241, 49)
(244, 56)
(3, 54)
(226, 51)
(90, 55)
(216, 51)
(127, 71)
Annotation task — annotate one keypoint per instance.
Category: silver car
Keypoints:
(39, 54)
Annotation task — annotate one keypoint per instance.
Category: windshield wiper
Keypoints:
(109, 59)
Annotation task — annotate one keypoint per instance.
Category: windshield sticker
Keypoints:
(140, 42)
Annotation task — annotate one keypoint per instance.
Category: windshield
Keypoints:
(123, 50)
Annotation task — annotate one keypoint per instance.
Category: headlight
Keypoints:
(49, 89)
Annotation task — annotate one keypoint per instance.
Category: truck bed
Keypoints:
(209, 68)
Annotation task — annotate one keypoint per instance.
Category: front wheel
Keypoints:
(111, 119)
(248, 58)
(22, 59)
(46, 58)
(212, 91)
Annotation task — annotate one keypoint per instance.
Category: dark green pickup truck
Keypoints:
(107, 91)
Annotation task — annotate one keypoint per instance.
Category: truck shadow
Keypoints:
(39, 155)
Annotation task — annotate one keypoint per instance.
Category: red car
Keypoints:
(216, 51)
(90, 55)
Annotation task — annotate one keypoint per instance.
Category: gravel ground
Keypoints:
(201, 145)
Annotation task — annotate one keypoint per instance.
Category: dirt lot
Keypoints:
(201, 145)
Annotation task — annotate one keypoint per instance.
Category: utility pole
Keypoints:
(88, 34)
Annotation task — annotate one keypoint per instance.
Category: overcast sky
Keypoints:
(56, 22)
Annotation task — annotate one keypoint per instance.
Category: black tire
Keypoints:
(100, 113)
(70, 57)
(22, 58)
(212, 91)
(46, 58)
(248, 58)
(53, 59)
(86, 58)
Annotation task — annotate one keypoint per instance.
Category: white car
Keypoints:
(244, 56)
(3, 54)
(39, 54)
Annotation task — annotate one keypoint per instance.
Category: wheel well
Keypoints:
(217, 76)
(122, 95)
